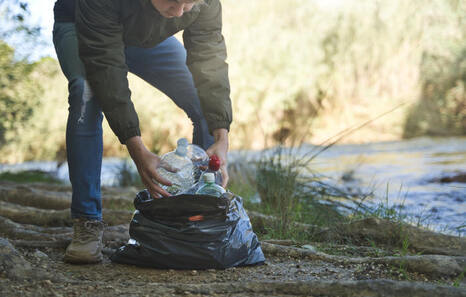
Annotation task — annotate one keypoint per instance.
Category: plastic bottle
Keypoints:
(183, 178)
(214, 166)
(199, 158)
(210, 187)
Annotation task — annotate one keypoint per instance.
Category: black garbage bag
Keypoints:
(190, 232)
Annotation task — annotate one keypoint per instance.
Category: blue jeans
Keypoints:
(163, 66)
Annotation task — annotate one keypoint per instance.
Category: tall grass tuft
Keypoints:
(279, 187)
(289, 189)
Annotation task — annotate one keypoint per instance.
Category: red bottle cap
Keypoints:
(214, 163)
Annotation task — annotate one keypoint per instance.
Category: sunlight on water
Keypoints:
(409, 173)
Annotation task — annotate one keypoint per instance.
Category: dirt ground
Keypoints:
(111, 279)
(34, 215)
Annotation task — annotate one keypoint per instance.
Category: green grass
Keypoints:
(243, 189)
(459, 279)
(31, 176)
(383, 209)
(287, 191)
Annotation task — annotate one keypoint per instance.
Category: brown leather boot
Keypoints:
(86, 246)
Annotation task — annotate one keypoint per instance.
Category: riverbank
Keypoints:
(417, 178)
(319, 238)
(348, 260)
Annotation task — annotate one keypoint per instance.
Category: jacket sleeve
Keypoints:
(206, 55)
(101, 49)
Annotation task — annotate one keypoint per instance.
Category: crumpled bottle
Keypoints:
(183, 178)
(210, 187)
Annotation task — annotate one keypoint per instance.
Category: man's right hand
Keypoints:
(147, 163)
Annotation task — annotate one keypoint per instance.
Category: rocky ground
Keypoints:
(35, 229)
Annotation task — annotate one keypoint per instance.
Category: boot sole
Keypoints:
(82, 260)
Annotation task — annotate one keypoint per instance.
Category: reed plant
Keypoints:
(291, 191)
(279, 187)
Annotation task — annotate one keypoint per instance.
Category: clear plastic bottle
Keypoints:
(214, 166)
(199, 158)
(210, 187)
(183, 178)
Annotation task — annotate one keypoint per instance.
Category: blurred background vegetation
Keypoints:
(300, 70)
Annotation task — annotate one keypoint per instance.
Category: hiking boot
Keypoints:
(86, 246)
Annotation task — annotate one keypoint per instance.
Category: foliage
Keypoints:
(289, 190)
(16, 13)
(242, 179)
(338, 63)
(442, 108)
(278, 186)
(20, 91)
(323, 68)
(384, 210)
(16, 28)
(277, 179)
(19, 95)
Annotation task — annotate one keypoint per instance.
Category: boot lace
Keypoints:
(88, 230)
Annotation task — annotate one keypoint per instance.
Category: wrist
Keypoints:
(220, 134)
(135, 146)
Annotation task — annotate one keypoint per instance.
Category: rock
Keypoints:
(12, 262)
(456, 177)
(309, 247)
(428, 264)
(392, 233)
(47, 282)
(40, 255)
(375, 288)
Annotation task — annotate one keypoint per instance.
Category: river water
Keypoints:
(416, 175)
(407, 174)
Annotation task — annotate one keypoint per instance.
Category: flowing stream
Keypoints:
(424, 177)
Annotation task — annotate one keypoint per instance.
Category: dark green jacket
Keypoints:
(104, 28)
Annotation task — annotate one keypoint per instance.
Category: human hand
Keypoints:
(220, 148)
(147, 164)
